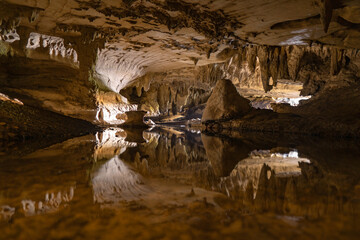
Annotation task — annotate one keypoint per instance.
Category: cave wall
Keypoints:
(256, 71)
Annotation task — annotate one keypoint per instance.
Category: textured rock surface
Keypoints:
(49, 85)
(225, 103)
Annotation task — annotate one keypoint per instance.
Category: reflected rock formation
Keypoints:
(52, 203)
(111, 142)
(115, 181)
(224, 154)
(171, 153)
(246, 174)
(6, 212)
(281, 179)
(289, 184)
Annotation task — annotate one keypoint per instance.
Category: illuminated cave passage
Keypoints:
(179, 119)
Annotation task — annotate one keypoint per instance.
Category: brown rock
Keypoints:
(225, 103)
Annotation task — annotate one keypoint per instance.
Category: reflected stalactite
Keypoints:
(249, 170)
(52, 202)
(6, 212)
(171, 153)
(280, 180)
(296, 194)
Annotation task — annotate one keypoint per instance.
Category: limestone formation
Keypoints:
(225, 103)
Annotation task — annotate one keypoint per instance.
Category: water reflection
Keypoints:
(111, 142)
(172, 179)
(116, 181)
(246, 174)
(51, 203)
(6, 212)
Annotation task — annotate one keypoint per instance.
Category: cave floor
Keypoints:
(177, 183)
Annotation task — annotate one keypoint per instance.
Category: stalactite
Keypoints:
(251, 58)
(336, 61)
(274, 63)
(326, 7)
(283, 68)
(263, 54)
(243, 56)
(294, 54)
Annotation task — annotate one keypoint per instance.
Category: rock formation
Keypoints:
(134, 118)
(225, 103)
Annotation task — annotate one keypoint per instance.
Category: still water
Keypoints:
(169, 183)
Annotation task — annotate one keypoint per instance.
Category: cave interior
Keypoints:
(179, 119)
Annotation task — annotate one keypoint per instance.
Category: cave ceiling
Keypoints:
(135, 37)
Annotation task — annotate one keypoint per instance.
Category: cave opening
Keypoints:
(179, 119)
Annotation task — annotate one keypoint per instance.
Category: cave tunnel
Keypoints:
(179, 119)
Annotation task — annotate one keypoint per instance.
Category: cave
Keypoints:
(179, 119)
